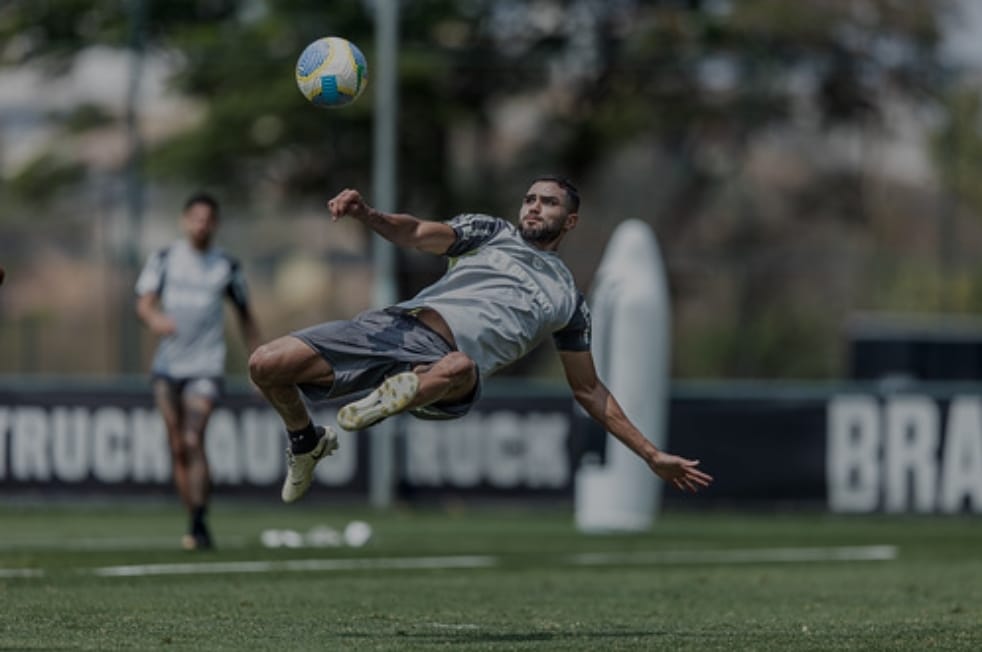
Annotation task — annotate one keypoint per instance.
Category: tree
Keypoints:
(701, 88)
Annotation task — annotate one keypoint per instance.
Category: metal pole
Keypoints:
(129, 329)
(382, 469)
(384, 163)
(950, 188)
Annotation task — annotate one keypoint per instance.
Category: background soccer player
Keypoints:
(181, 293)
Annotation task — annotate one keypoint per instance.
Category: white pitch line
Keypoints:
(642, 558)
(21, 572)
(212, 568)
(738, 556)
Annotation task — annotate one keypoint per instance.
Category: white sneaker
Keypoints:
(391, 397)
(300, 466)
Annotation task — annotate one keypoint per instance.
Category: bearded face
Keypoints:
(200, 223)
(543, 217)
(541, 231)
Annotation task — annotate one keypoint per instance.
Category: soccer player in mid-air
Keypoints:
(505, 290)
(180, 298)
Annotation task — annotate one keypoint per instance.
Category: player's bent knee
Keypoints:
(262, 364)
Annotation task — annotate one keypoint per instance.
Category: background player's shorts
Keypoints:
(377, 344)
(205, 387)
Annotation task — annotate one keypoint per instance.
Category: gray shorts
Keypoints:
(377, 344)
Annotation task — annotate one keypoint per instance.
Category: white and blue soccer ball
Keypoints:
(332, 72)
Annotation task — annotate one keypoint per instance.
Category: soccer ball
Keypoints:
(331, 72)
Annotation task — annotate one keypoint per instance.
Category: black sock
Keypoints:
(198, 519)
(303, 440)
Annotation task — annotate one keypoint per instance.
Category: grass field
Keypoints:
(100, 578)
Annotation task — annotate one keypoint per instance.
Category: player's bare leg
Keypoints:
(276, 369)
(185, 421)
(197, 410)
(169, 405)
(452, 377)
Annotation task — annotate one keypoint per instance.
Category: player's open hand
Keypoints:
(680, 472)
(348, 203)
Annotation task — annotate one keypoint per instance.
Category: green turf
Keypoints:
(533, 598)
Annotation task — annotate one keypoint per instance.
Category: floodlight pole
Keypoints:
(129, 357)
(384, 160)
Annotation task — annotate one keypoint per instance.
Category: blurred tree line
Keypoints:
(799, 161)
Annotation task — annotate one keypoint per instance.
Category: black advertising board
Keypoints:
(109, 439)
(848, 448)
(759, 449)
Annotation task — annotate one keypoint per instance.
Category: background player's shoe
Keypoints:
(300, 466)
(391, 397)
(197, 541)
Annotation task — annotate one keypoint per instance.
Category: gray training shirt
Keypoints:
(501, 296)
(192, 286)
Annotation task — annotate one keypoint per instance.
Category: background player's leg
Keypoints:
(167, 398)
(197, 410)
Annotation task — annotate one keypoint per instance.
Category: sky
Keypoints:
(963, 36)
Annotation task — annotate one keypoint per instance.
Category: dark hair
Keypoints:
(202, 198)
(572, 194)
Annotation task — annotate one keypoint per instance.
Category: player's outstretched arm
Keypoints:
(399, 228)
(596, 399)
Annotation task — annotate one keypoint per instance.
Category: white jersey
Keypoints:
(501, 297)
(192, 287)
